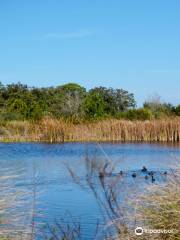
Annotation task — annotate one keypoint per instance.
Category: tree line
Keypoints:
(72, 101)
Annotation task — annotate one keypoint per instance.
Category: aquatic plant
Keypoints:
(161, 209)
(53, 130)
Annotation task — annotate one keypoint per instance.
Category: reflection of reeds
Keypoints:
(9, 202)
(53, 130)
(61, 230)
(8, 196)
(17, 217)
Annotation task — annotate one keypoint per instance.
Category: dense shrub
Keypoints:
(177, 110)
(136, 114)
(160, 110)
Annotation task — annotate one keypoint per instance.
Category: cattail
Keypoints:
(60, 130)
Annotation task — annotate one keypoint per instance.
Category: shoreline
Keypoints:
(165, 144)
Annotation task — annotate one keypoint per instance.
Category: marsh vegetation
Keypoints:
(71, 113)
(59, 130)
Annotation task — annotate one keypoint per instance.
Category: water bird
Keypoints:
(153, 179)
(144, 169)
(134, 175)
(146, 177)
(151, 173)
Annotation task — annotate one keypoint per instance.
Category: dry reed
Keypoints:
(53, 130)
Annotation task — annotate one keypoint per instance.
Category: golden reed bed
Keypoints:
(51, 130)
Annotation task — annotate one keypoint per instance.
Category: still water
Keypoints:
(36, 177)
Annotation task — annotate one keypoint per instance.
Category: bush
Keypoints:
(160, 110)
(136, 114)
(10, 116)
(177, 110)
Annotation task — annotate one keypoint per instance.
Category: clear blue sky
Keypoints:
(130, 44)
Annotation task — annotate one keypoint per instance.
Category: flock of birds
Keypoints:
(149, 174)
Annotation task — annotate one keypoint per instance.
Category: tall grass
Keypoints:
(53, 130)
(162, 210)
(159, 210)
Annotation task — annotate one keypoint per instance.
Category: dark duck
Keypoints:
(144, 169)
(134, 175)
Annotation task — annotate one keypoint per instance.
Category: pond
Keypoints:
(40, 190)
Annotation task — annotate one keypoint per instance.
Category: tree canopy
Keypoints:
(20, 102)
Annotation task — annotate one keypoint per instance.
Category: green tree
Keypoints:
(123, 100)
(19, 107)
(177, 110)
(34, 112)
(107, 96)
(94, 106)
(2, 101)
(114, 100)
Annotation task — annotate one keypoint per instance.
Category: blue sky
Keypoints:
(130, 44)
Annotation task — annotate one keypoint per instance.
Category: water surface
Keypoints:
(40, 174)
